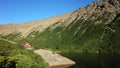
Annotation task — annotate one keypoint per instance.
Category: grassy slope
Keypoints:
(80, 35)
(85, 39)
(111, 38)
(16, 57)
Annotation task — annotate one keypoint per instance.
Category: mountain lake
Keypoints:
(93, 60)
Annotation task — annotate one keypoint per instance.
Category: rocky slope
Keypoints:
(98, 8)
(26, 28)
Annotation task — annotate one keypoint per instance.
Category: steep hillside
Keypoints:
(94, 28)
(26, 28)
(111, 36)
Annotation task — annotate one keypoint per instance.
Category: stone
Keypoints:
(54, 60)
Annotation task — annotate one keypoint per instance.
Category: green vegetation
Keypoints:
(80, 36)
(13, 56)
(12, 37)
(111, 39)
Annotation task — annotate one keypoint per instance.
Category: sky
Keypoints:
(20, 11)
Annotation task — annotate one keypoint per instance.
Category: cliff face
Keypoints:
(91, 28)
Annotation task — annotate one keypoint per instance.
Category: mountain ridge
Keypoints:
(31, 26)
(64, 19)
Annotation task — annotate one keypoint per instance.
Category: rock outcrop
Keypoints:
(55, 60)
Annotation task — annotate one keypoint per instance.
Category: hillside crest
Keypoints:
(90, 12)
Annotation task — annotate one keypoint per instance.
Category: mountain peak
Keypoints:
(99, 8)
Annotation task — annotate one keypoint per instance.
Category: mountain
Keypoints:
(94, 28)
(28, 27)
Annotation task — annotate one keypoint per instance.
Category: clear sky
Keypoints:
(20, 11)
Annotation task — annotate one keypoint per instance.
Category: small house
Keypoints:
(27, 45)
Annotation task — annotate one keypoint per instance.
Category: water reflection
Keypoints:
(94, 60)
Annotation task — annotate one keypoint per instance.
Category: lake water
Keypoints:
(91, 60)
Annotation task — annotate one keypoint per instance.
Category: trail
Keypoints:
(8, 41)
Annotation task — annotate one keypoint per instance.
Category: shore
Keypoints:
(54, 60)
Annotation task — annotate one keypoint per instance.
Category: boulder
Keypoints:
(54, 60)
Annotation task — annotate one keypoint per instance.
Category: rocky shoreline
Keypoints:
(54, 60)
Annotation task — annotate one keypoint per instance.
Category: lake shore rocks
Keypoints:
(54, 60)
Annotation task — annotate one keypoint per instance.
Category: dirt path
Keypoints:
(8, 41)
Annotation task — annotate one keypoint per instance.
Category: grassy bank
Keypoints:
(16, 57)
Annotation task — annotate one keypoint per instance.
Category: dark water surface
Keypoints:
(91, 60)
